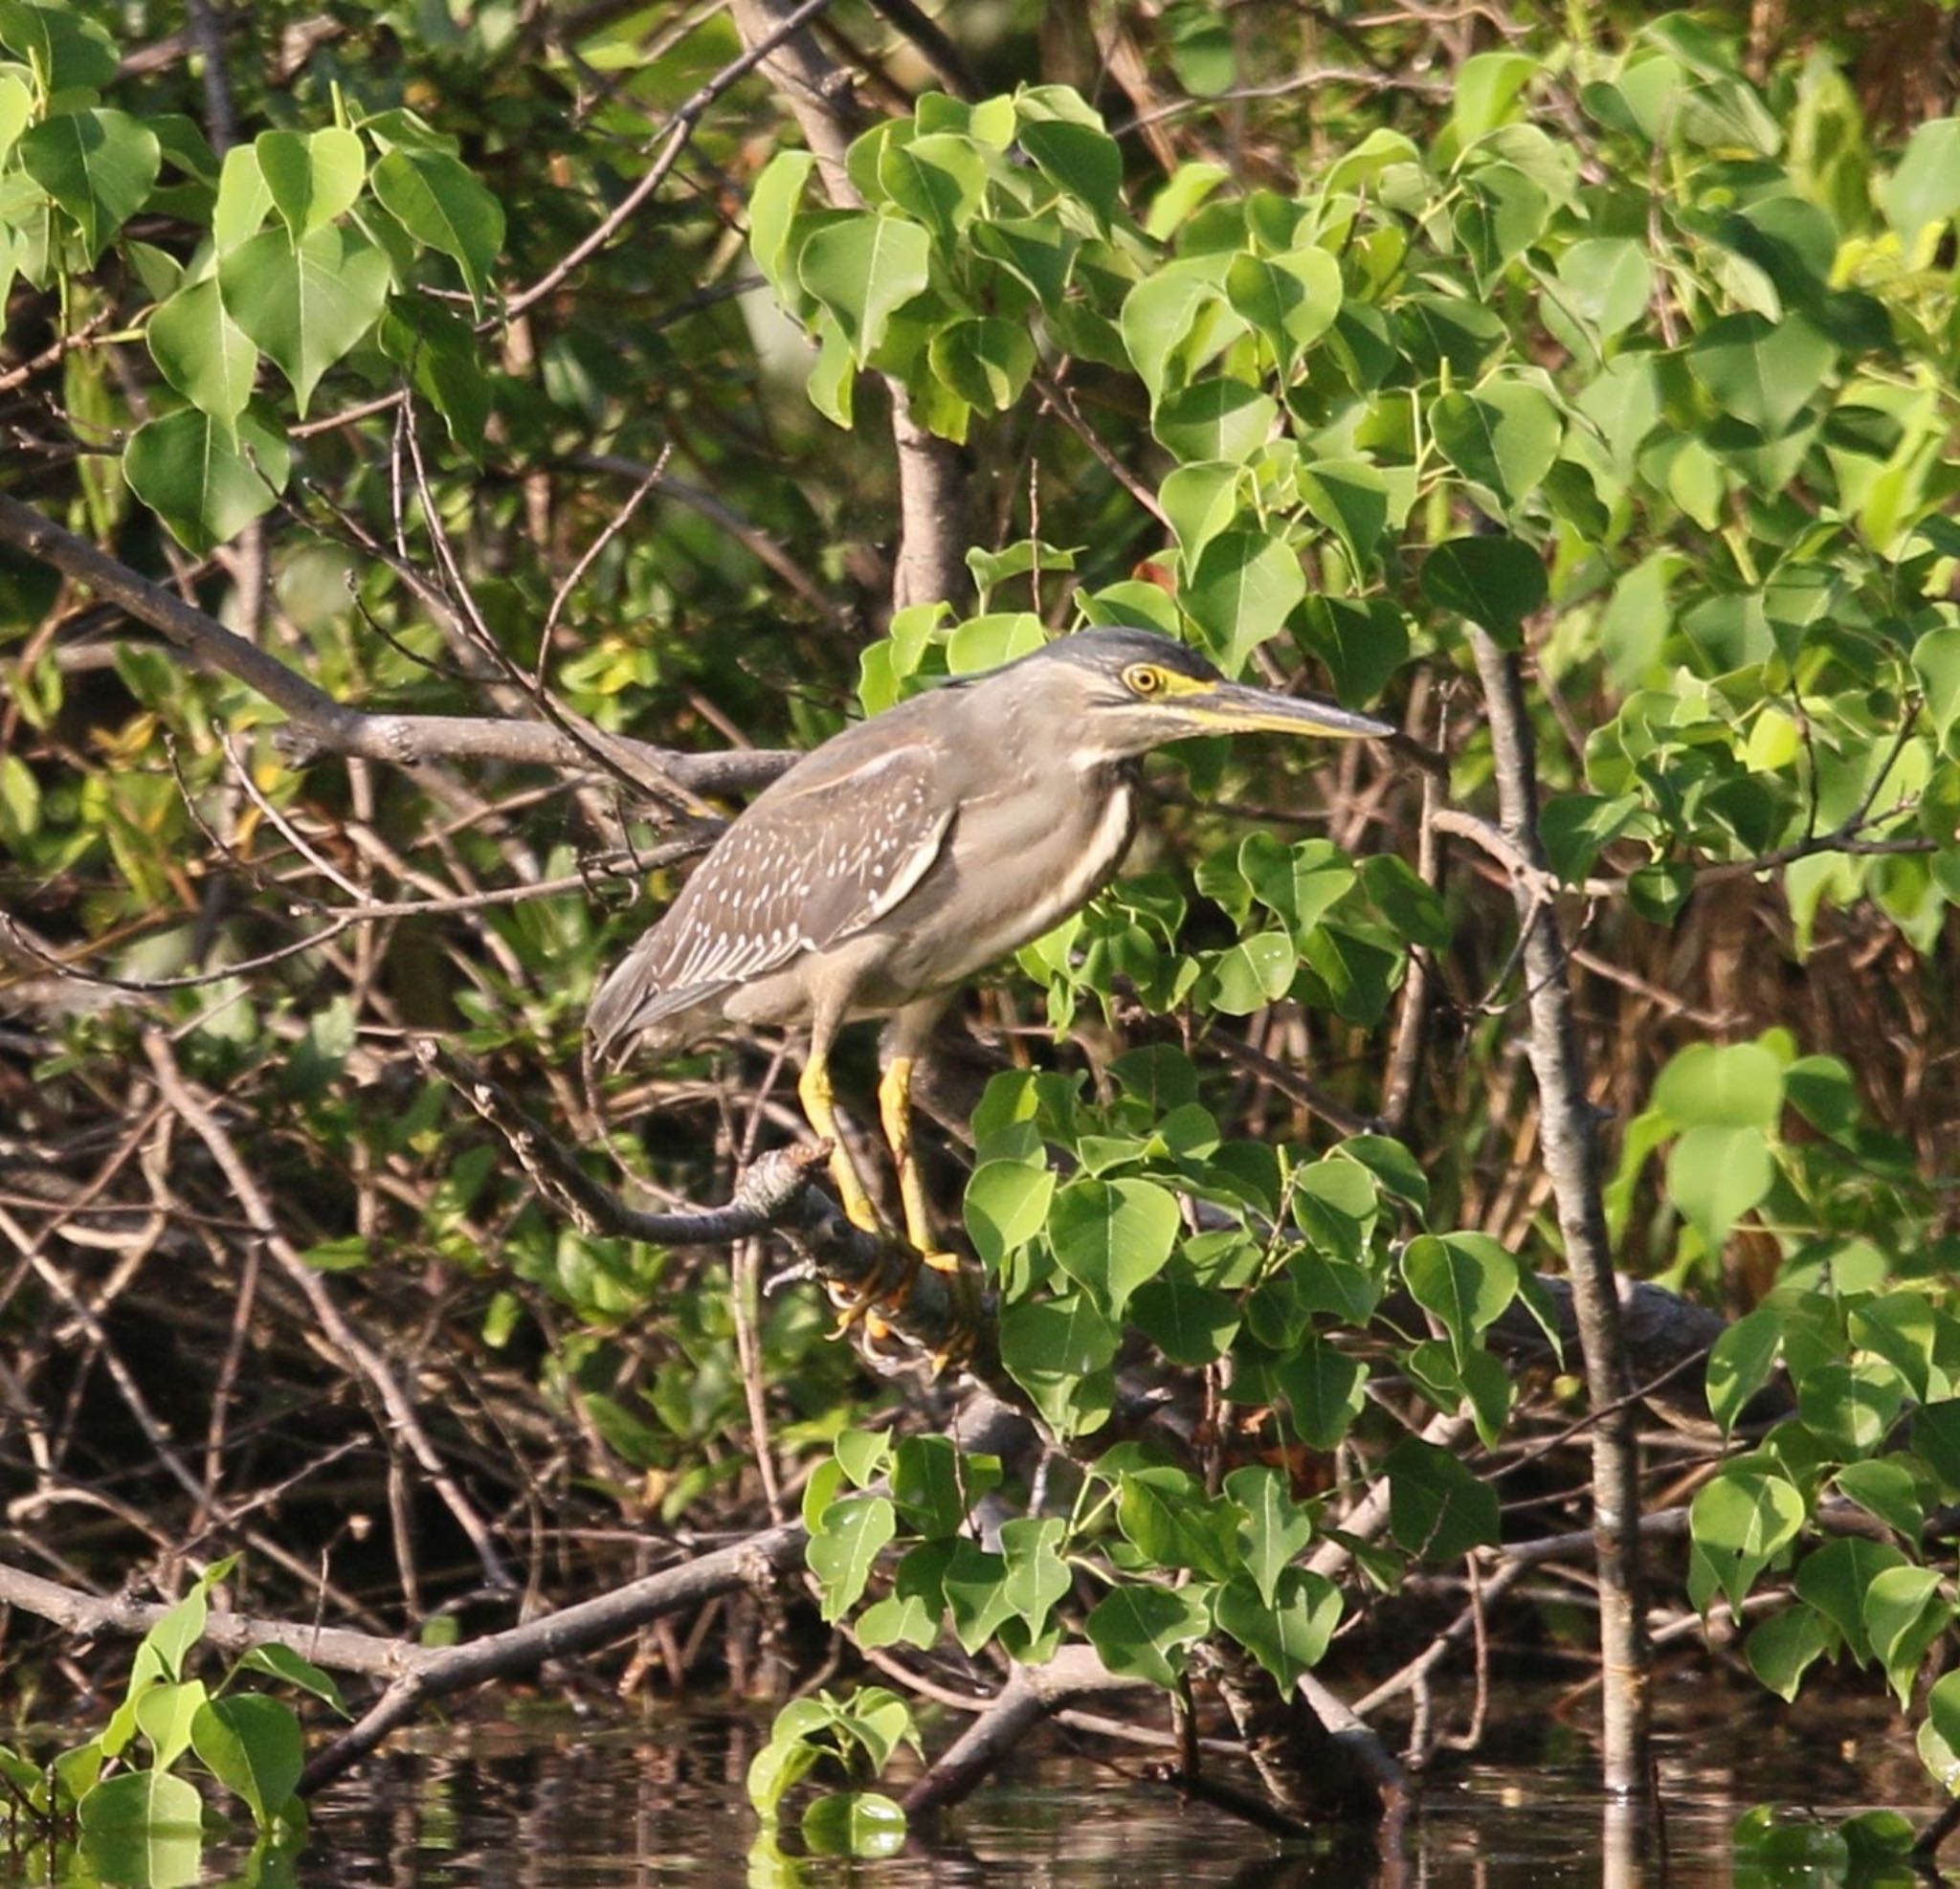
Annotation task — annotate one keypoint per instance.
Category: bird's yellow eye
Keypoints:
(1142, 679)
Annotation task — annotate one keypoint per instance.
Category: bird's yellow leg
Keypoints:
(819, 1106)
(895, 1108)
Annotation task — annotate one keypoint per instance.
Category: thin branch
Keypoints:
(679, 131)
(312, 1286)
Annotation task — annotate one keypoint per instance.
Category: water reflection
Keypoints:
(563, 1803)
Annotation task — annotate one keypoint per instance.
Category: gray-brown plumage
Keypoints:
(915, 849)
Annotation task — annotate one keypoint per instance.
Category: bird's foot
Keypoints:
(877, 1289)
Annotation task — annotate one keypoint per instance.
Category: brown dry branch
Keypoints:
(366, 1359)
(1031, 1695)
(319, 725)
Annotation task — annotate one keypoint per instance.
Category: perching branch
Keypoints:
(928, 1314)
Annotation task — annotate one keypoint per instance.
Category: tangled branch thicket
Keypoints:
(1533, 1167)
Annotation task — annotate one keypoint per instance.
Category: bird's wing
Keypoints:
(806, 867)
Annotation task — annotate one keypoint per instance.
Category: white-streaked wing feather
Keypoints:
(801, 870)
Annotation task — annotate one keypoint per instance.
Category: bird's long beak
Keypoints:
(1233, 707)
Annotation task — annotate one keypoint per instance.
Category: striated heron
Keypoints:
(915, 849)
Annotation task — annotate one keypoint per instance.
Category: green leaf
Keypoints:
(1219, 418)
(1006, 1205)
(1760, 371)
(925, 1485)
(439, 203)
(1164, 310)
(1324, 1389)
(1835, 1579)
(1362, 642)
(1110, 1236)
(1437, 1508)
(1782, 1648)
(207, 478)
(778, 1768)
(1716, 1175)
(17, 107)
(1351, 497)
(1243, 588)
(844, 1551)
(1466, 1279)
(313, 177)
(1903, 1615)
(1575, 828)
(1926, 187)
(862, 1454)
(1497, 582)
(141, 1802)
(1276, 1528)
(1939, 1737)
(203, 353)
(1729, 1086)
(1506, 436)
(862, 267)
(1079, 159)
(1741, 1521)
(305, 306)
(1200, 502)
(440, 352)
(164, 1714)
(864, 1824)
(1740, 1363)
(1140, 1630)
(1291, 298)
(1165, 1516)
(1058, 1351)
(1190, 1323)
(1889, 1488)
(986, 361)
(774, 202)
(97, 165)
(252, 1745)
(1936, 662)
(1356, 965)
(1607, 282)
(282, 1662)
(938, 179)
(1412, 907)
(1851, 1406)
(1287, 1632)
(1485, 92)
(244, 199)
(1936, 1436)
(67, 51)
(21, 800)
(1036, 1576)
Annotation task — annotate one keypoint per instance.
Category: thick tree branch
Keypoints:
(319, 725)
(1569, 1141)
(933, 534)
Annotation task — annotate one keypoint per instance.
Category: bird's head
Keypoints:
(1118, 692)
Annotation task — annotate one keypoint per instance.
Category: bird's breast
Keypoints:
(1015, 869)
